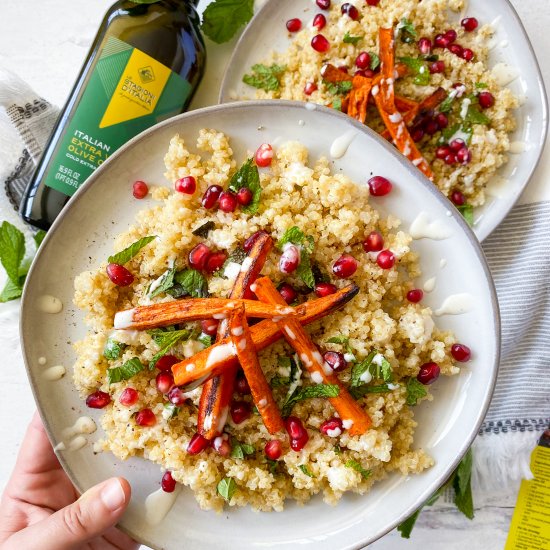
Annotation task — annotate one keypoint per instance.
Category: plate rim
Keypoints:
(26, 312)
(223, 97)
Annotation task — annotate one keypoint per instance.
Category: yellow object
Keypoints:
(530, 528)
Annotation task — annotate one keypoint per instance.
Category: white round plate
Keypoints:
(267, 32)
(82, 237)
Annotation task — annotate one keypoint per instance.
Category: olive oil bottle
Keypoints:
(144, 65)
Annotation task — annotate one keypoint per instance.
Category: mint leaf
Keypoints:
(237, 257)
(166, 341)
(343, 341)
(475, 116)
(374, 61)
(128, 253)
(406, 527)
(204, 229)
(467, 210)
(462, 486)
(12, 250)
(304, 269)
(349, 39)
(415, 391)
(339, 88)
(376, 364)
(419, 68)
(337, 449)
(226, 488)
(446, 104)
(264, 77)
(319, 390)
(306, 470)
(39, 237)
(406, 30)
(293, 378)
(205, 340)
(481, 86)
(337, 104)
(361, 391)
(292, 235)
(11, 291)
(273, 466)
(125, 371)
(193, 283)
(113, 349)
(354, 465)
(223, 18)
(247, 176)
(305, 243)
(240, 450)
(170, 411)
(163, 283)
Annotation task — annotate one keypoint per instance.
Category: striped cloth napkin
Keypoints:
(518, 253)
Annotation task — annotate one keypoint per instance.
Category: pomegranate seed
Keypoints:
(386, 259)
(450, 159)
(425, 46)
(442, 151)
(461, 353)
(458, 198)
(320, 44)
(264, 155)
(373, 2)
(469, 24)
(298, 434)
(486, 100)
(228, 202)
(442, 120)
(431, 127)
(456, 145)
(288, 293)
(273, 449)
(335, 360)
(457, 49)
(186, 185)
(241, 386)
(325, 289)
(165, 362)
(129, 397)
(323, 4)
(244, 196)
(374, 242)
(428, 374)
(240, 411)
(332, 427)
(451, 35)
(251, 240)
(290, 259)
(210, 326)
(176, 396)
(168, 483)
(350, 10)
(319, 21)
(164, 382)
(417, 134)
(414, 296)
(345, 266)
(198, 256)
(215, 262)
(211, 196)
(98, 400)
(119, 275)
(298, 444)
(293, 25)
(464, 156)
(309, 88)
(140, 189)
(437, 67)
(221, 446)
(441, 41)
(379, 186)
(146, 417)
(468, 54)
(197, 444)
(363, 60)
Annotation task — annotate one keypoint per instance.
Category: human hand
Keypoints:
(41, 508)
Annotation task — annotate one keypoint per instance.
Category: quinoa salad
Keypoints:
(408, 72)
(258, 334)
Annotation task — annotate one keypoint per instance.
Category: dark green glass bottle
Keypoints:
(143, 67)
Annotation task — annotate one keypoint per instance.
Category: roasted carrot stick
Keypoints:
(193, 309)
(359, 98)
(248, 358)
(330, 73)
(221, 356)
(216, 393)
(354, 418)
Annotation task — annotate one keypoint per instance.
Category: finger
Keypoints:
(120, 539)
(90, 516)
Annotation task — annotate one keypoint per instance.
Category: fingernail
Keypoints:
(112, 494)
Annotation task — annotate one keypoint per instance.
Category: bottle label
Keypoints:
(127, 92)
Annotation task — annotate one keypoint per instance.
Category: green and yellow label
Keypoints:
(127, 92)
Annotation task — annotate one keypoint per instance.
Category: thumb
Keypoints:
(90, 516)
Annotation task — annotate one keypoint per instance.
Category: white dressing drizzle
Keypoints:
(49, 304)
(54, 373)
(341, 144)
(158, 504)
(456, 304)
(423, 228)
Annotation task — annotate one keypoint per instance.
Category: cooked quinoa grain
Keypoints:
(296, 191)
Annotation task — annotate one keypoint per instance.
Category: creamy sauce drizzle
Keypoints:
(42, 361)
(124, 319)
(77, 443)
(423, 228)
(158, 504)
(456, 304)
(341, 144)
(49, 304)
(517, 147)
(83, 425)
(54, 373)
(311, 106)
(504, 74)
(429, 285)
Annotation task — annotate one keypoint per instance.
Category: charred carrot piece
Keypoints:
(354, 418)
(221, 356)
(194, 309)
(359, 97)
(216, 393)
(248, 358)
(330, 73)
(433, 100)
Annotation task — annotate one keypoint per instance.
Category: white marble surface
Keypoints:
(45, 43)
